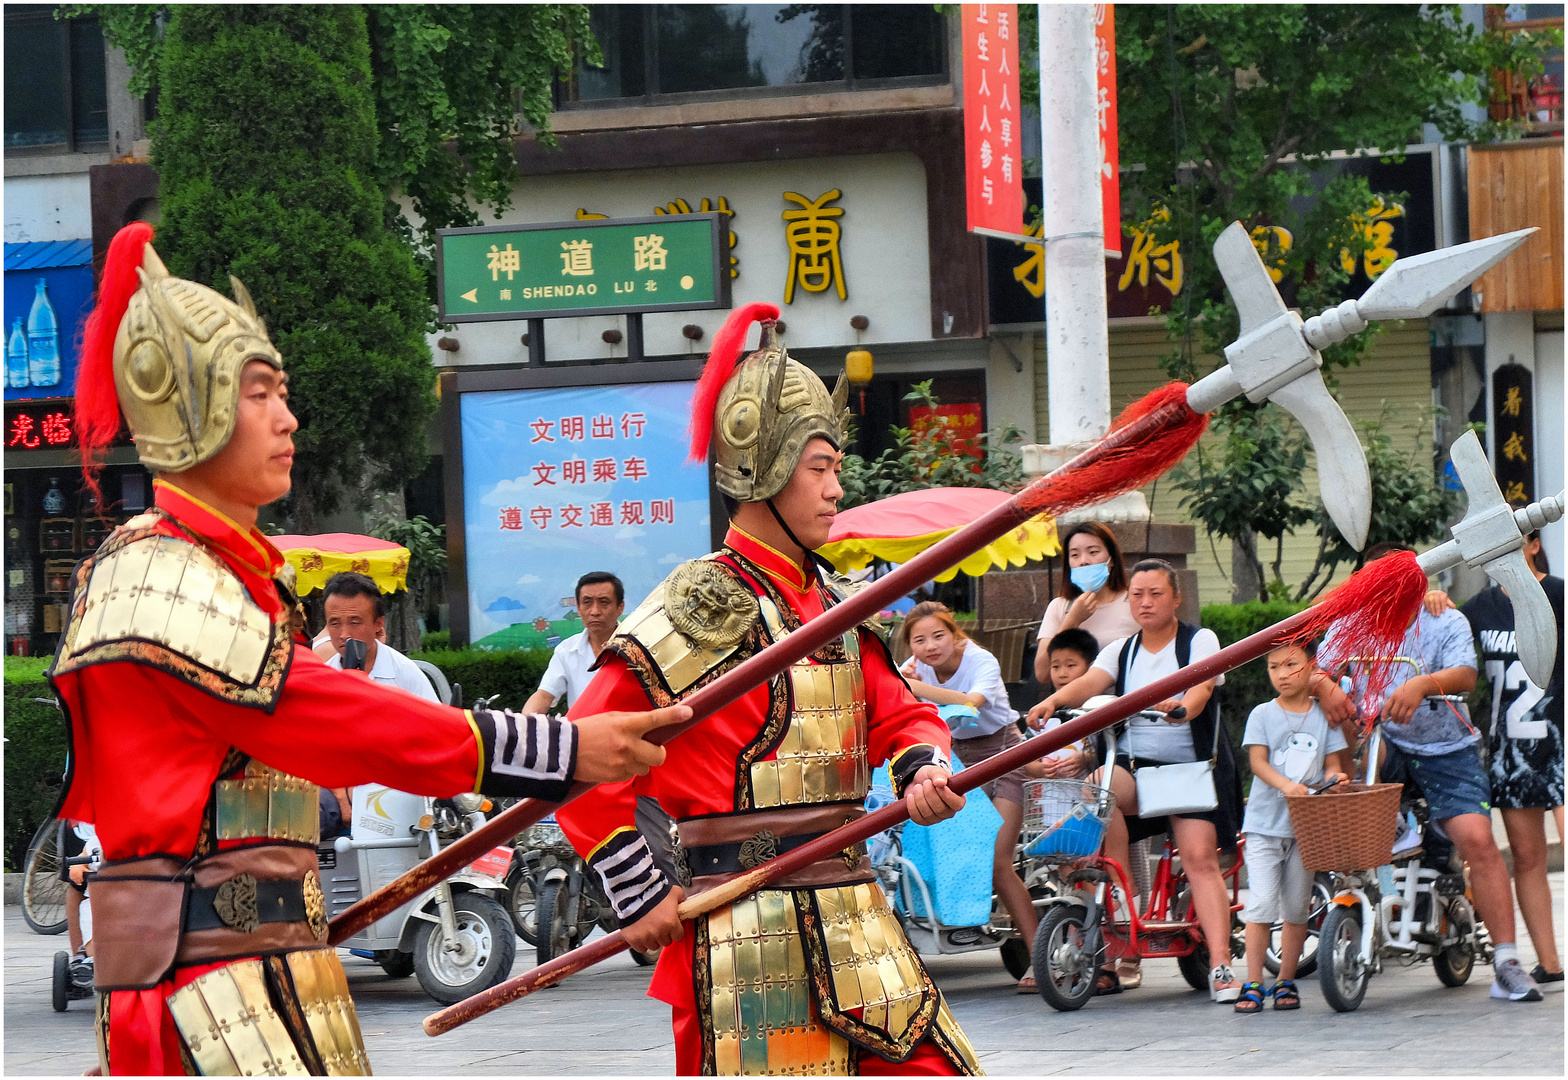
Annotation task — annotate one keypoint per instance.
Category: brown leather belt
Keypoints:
(141, 921)
(755, 836)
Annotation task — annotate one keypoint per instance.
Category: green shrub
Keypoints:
(435, 639)
(1248, 685)
(513, 674)
(34, 755)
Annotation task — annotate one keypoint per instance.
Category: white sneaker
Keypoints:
(1513, 983)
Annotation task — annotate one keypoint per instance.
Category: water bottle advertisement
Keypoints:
(44, 309)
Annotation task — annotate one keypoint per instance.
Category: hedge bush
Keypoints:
(513, 674)
(34, 755)
(1248, 685)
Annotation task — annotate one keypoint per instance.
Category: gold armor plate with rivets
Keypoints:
(230, 1026)
(823, 755)
(323, 995)
(263, 802)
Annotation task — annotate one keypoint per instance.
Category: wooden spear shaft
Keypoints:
(733, 685)
(856, 832)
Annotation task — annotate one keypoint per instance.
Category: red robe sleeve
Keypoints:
(602, 823)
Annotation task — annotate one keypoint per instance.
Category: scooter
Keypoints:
(72, 976)
(457, 937)
(556, 897)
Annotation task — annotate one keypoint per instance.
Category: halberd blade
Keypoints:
(1257, 301)
(1415, 286)
(1343, 482)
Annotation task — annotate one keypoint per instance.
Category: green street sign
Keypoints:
(609, 267)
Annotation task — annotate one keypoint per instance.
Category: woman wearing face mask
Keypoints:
(1093, 595)
(947, 668)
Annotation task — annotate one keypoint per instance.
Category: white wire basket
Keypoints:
(1065, 818)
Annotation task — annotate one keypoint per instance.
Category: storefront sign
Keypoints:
(564, 480)
(48, 293)
(992, 160)
(585, 267)
(1105, 108)
(1513, 433)
(48, 426)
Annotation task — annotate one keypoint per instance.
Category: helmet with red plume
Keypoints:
(759, 410)
(168, 354)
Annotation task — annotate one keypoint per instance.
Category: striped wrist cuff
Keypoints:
(525, 756)
(902, 769)
(633, 883)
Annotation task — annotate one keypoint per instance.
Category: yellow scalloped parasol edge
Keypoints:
(1034, 539)
(387, 567)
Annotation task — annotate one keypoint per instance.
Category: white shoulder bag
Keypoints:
(1186, 787)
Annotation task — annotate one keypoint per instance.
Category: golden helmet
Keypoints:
(178, 350)
(766, 409)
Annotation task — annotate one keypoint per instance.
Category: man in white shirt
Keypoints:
(601, 600)
(355, 609)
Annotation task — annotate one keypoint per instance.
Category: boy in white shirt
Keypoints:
(1288, 741)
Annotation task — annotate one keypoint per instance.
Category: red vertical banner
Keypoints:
(1105, 107)
(993, 164)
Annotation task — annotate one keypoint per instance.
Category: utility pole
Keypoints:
(1077, 341)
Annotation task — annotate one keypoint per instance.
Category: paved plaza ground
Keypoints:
(601, 1023)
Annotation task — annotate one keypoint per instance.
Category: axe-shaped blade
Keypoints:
(1272, 361)
(1490, 536)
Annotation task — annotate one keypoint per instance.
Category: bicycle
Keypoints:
(43, 891)
(1078, 936)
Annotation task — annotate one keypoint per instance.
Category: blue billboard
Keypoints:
(561, 481)
(48, 293)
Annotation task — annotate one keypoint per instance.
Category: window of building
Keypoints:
(55, 90)
(651, 50)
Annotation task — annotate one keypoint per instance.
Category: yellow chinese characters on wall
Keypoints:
(1376, 226)
(812, 232)
(1146, 256)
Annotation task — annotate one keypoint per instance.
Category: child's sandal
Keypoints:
(1285, 996)
(1251, 999)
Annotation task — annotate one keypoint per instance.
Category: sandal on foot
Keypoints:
(1223, 993)
(1251, 1000)
(1285, 995)
(1129, 973)
(1106, 983)
(1027, 985)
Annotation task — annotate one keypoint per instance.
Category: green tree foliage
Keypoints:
(1233, 110)
(931, 454)
(445, 77)
(265, 147)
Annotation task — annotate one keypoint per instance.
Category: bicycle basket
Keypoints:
(1348, 827)
(1065, 817)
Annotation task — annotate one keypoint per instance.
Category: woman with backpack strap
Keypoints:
(1162, 645)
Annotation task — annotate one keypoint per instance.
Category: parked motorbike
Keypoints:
(567, 900)
(456, 938)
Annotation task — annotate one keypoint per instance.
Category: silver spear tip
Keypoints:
(1417, 285)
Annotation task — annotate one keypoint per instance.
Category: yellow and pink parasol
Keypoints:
(317, 558)
(898, 528)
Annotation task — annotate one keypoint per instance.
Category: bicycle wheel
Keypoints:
(43, 893)
(1455, 963)
(1066, 964)
(1341, 973)
(1321, 895)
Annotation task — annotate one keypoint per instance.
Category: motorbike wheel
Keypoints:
(1455, 963)
(1015, 957)
(523, 903)
(43, 893)
(1340, 970)
(486, 947)
(60, 995)
(1064, 968)
(399, 965)
(556, 928)
(1321, 895)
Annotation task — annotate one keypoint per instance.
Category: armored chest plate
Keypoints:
(823, 755)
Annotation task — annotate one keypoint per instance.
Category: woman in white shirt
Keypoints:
(1130, 664)
(947, 668)
(1093, 595)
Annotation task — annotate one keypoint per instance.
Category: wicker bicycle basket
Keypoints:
(1348, 827)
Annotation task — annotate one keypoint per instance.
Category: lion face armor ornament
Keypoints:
(174, 351)
(761, 410)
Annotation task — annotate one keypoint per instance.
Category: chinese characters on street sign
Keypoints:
(590, 267)
(993, 163)
(561, 481)
(1105, 109)
(1513, 433)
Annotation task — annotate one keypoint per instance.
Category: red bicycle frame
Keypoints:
(1135, 934)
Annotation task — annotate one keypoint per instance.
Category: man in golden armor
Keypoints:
(813, 974)
(199, 729)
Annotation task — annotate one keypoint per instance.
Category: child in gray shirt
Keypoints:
(1288, 740)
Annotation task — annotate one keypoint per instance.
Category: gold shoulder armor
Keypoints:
(173, 605)
(691, 626)
(842, 588)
